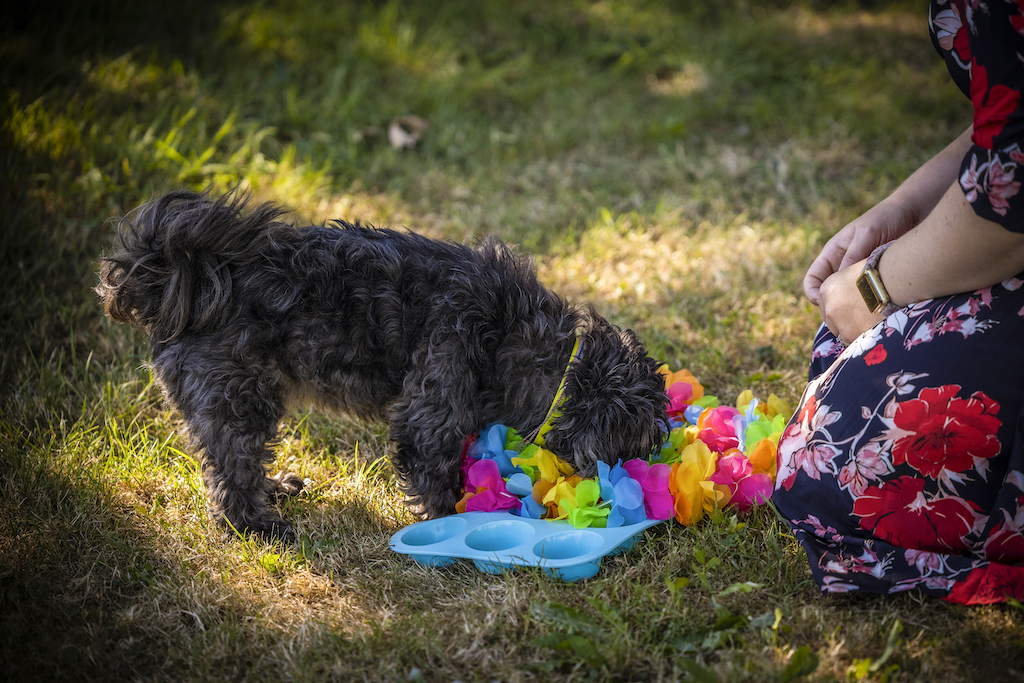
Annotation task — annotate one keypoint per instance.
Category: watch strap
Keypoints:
(872, 264)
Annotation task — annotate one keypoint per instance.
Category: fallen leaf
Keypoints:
(404, 132)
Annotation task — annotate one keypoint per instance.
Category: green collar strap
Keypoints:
(553, 411)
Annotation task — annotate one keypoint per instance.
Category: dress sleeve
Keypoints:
(993, 169)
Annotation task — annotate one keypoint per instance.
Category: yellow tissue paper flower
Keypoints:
(744, 399)
(563, 490)
(689, 484)
(549, 466)
(769, 409)
(678, 439)
(777, 406)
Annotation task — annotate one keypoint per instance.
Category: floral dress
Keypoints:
(903, 467)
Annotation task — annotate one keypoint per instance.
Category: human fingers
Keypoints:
(880, 224)
(820, 269)
(827, 262)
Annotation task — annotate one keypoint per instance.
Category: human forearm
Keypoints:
(921, 191)
(907, 206)
(952, 250)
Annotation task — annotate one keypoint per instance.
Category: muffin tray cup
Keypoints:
(498, 542)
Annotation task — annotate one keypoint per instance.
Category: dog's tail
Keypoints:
(171, 269)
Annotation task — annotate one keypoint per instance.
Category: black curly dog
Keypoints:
(246, 315)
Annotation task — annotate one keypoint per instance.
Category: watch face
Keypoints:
(868, 287)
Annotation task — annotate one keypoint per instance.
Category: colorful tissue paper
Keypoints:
(692, 491)
(623, 494)
(713, 457)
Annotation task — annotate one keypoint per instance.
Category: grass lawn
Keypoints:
(677, 164)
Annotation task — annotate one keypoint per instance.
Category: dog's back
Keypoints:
(339, 311)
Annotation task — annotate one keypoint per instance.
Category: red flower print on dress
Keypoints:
(952, 35)
(988, 584)
(1006, 543)
(940, 432)
(795, 454)
(898, 512)
(827, 533)
(926, 562)
(808, 410)
(867, 466)
(875, 355)
(827, 348)
(867, 562)
(1017, 21)
(992, 106)
(947, 24)
(993, 179)
(970, 180)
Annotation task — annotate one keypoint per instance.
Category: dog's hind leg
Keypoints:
(232, 412)
(429, 423)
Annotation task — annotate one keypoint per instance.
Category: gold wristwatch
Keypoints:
(870, 285)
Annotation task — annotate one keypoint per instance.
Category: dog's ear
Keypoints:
(175, 256)
(616, 402)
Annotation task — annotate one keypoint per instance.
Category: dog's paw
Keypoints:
(273, 529)
(268, 526)
(279, 531)
(284, 484)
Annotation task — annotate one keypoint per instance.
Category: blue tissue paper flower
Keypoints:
(491, 445)
(519, 484)
(692, 413)
(623, 493)
(532, 508)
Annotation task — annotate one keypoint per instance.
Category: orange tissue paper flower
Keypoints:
(689, 484)
(763, 457)
(673, 378)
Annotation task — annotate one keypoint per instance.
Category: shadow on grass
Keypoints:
(71, 564)
(101, 584)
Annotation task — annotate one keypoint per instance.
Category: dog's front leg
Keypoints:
(232, 412)
(429, 423)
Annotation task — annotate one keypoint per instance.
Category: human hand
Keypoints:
(882, 223)
(842, 308)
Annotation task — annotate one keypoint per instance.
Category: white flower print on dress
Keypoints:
(869, 464)
(995, 179)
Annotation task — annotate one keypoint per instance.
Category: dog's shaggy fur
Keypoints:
(246, 315)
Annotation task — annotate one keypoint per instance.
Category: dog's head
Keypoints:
(615, 404)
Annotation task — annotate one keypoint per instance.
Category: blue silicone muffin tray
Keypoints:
(497, 542)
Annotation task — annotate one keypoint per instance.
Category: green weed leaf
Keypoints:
(271, 562)
(859, 669)
(802, 662)
(893, 642)
(581, 647)
(743, 587)
(677, 584)
(697, 672)
(571, 620)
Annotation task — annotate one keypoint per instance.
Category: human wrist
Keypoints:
(871, 285)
